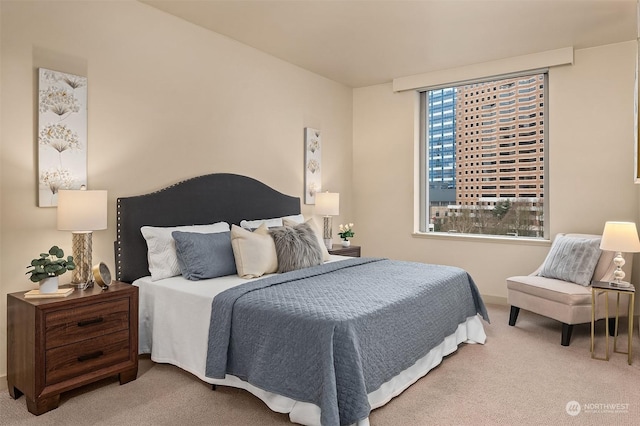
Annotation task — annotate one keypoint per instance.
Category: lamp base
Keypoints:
(327, 232)
(81, 245)
(618, 273)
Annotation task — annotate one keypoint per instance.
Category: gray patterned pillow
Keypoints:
(296, 246)
(572, 259)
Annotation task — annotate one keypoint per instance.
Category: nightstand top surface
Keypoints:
(115, 287)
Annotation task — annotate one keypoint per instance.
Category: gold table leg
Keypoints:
(593, 318)
(630, 334)
(594, 295)
(606, 321)
(629, 352)
(615, 332)
(630, 331)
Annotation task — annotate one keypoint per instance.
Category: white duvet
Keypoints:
(174, 318)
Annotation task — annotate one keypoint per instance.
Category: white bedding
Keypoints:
(174, 318)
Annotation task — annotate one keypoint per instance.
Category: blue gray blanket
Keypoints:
(333, 333)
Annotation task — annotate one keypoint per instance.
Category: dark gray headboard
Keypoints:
(197, 201)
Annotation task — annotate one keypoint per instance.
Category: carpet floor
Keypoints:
(521, 376)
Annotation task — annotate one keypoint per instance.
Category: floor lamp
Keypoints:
(82, 212)
(327, 205)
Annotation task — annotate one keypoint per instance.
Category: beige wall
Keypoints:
(167, 101)
(591, 137)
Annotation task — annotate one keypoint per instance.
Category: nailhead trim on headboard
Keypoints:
(200, 200)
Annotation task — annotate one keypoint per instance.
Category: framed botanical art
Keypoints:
(312, 169)
(62, 134)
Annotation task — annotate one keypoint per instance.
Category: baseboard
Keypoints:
(495, 300)
(3, 383)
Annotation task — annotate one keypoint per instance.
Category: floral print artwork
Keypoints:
(62, 134)
(312, 170)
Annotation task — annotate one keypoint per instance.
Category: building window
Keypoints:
(449, 207)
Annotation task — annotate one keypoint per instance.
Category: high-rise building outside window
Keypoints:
(483, 169)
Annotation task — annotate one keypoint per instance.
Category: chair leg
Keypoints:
(513, 315)
(612, 327)
(566, 334)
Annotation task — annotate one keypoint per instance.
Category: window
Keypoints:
(449, 206)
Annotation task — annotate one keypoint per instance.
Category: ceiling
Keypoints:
(361, 43)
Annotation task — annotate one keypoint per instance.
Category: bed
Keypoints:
(326, 343)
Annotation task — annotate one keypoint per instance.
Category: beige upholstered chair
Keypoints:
(564, 301)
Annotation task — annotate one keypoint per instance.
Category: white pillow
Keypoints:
(271, 223)
(161, 247)
(255, 252)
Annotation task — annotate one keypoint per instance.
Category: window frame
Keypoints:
(423, 150)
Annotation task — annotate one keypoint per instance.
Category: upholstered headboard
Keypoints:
(197, 201)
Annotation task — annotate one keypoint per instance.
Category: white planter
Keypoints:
(49, 285)
(346, 243)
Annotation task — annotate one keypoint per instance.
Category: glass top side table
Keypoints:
(600, 287)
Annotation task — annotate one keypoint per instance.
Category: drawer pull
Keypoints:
(89, 322)
(92, 355)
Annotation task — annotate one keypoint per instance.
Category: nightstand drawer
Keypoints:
(83, 357)
(85, 322)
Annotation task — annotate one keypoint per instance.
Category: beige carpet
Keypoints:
(520, 376)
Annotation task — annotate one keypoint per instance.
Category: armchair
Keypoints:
(564, 301)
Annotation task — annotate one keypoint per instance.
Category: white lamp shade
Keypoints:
(620, 236)
(328, 203)
(82, 210)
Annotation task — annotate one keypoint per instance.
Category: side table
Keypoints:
(600, 287)
(353, 251)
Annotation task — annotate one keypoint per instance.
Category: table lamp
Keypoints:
(620, 237)
(82, 212)
(327, 204)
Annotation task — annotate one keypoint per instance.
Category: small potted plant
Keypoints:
(46, 269)
(346, 232)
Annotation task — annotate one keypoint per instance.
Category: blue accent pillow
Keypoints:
(202, 256)
(572, 259)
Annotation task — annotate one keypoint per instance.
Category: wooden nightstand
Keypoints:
(55, 345)
(353, 251)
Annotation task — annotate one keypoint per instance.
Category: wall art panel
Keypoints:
(62, 134)
(312, 163)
